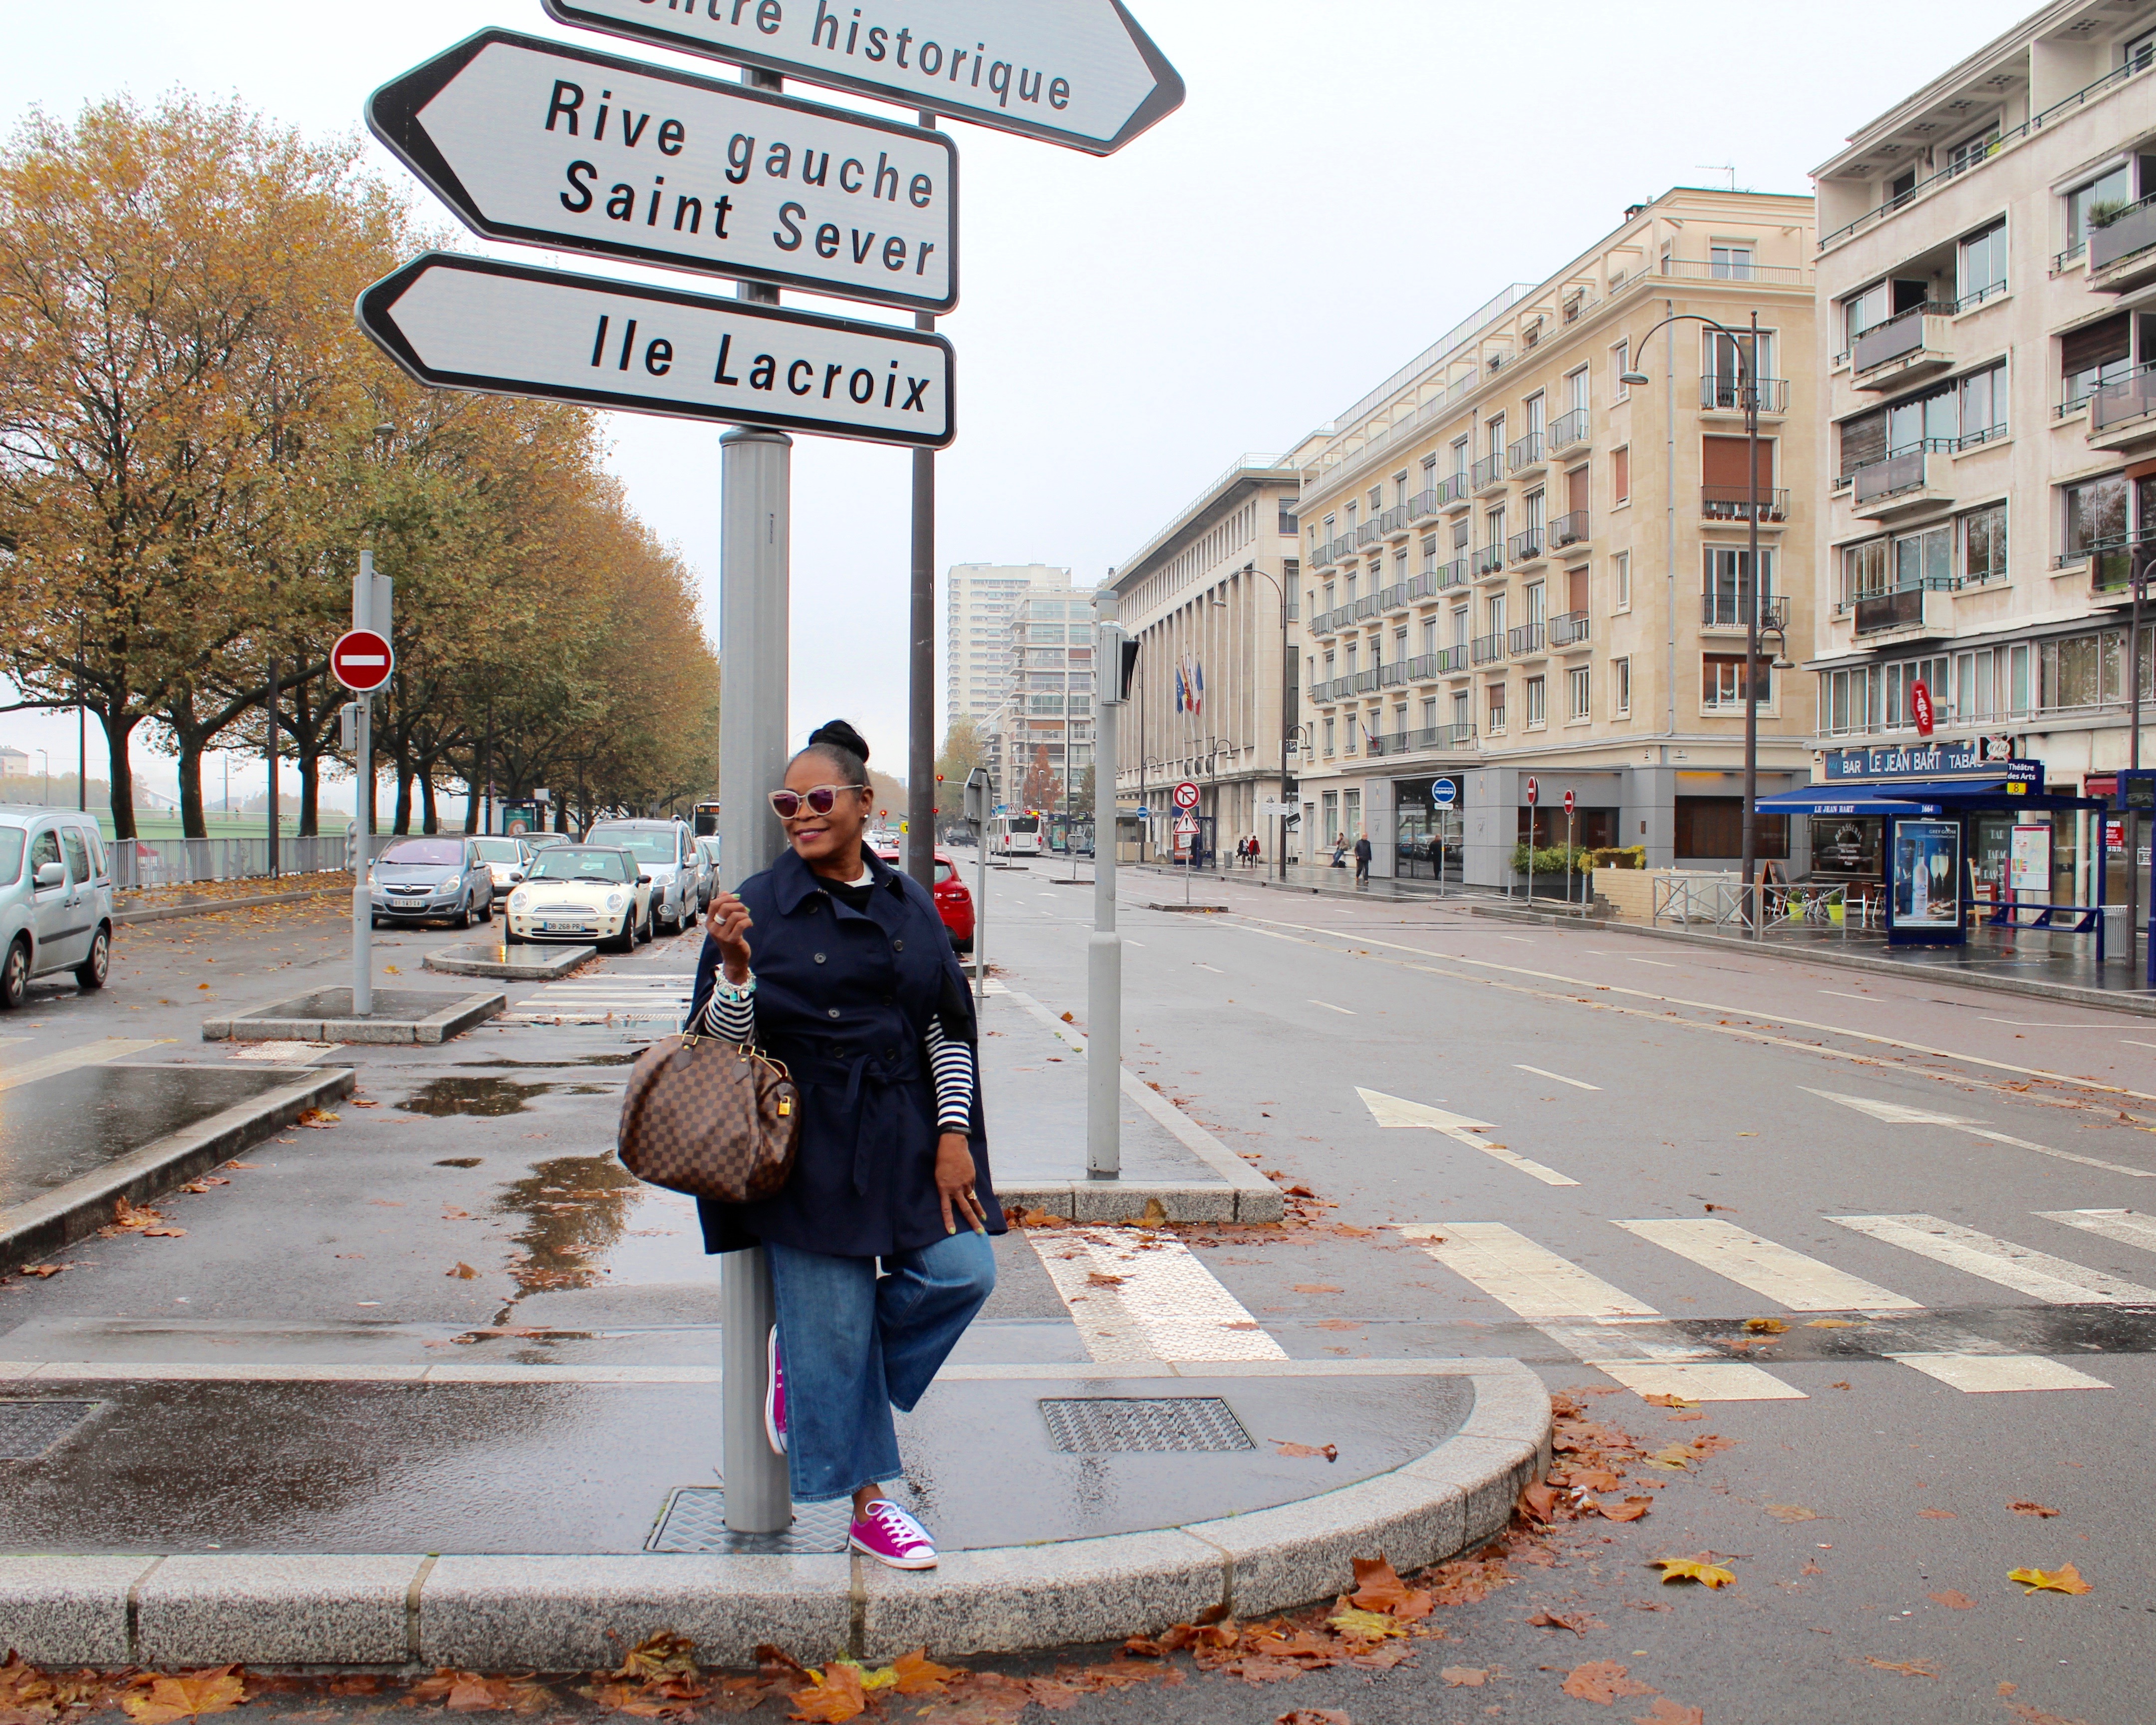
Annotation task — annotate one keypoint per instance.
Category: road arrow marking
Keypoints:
(1399, 1112)
(1895, 1114)
(1559, 1077)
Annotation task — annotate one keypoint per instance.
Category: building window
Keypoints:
(1620, 475)
(1714, 827)
(2095, 517)
(1288, 523)
(1973, 149)
(1575, 390)
(1495, 725)
(1722, 681)
(1845, 698)
(1331, 803)
(1537, 713)
(1351, 811)
(1730, 263)
(1620, 362)
(1620, 687)
(1328, 746)
(1981, 272)
(2109, 190)
(1430, 554)
(1726, 592)
(2093, 356)
(1460, 715)
(1862, 310)
(1984, 545)
(1620, 579)
(1578, 694)
(2139, 54)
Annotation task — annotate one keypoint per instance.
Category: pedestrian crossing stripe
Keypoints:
(1515, 1271)
(1138, 1296)
(2127, 1227)
(1801, 1283)
(2053, 1280)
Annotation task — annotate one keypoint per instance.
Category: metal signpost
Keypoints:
(1534, 796)
(362, 660)
(980, 797)
(1104, 947)
(1184, 796)
(1568, 804)
(532, 141)
(1078, 73)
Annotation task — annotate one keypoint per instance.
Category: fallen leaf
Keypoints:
(1464, 1676)
(2064, 1579)
(1667, 1401)
(164, 1233)
(1830, 1323)
(1300, 1192)
(1603, 1681)
(1316, 1287)
(1693, 1569)
(316, 1119)
(834, 1695)
(1538, 1502)
(358, 1102)
(663, 1654)
(1550, 1619)
(2022, 1506)
(1378, 1587)
(1069, 1019)
(1764, 1327)
(1101, 1279)
(463, 1272)
(1313, 1715)
(1331, 1452)
(133, 1216)
(1788, 1512)
(1936, 1515)
(1677, 1458)
(1363, 1626)
(1953, 1599)
(2033, 1716)
(1630, 1510)
(204, 1184)
(1910, 1668)
(1662, 1711)
(188, 1696)
(917, 1674)
(42, 1270)
(1842, 1385)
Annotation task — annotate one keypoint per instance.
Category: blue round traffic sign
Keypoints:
(1444, 793)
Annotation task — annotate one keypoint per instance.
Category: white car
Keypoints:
(592, 893)
(508, 860)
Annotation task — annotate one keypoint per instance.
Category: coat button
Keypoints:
(819, 957)
(891, 1054)
(898, 945)
(834, 1012)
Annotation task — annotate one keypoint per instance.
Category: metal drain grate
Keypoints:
(1158, 1424)
(29, 1429)
(694, 1520)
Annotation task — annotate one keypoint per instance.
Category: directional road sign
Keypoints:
(1185, 795)
(362, 660)
(475, 323)
(533, 140)
(1079, 73)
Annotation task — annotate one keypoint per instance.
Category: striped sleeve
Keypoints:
(731, 1013)
(952, 1064)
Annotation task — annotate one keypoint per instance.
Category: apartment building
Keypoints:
(1987, 274)
(1040, 734)
(1516, 567)
(978, 600)
(1210, 599)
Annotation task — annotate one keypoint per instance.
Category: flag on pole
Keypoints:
(1197, 685)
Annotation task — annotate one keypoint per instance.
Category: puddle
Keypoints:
(604, 1060)
(576, 1210)
(458, 1161)
(490, 1097)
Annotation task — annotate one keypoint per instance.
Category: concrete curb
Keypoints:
(565, 1613)
(50, 1221)
(558, 962)
(1248, 1196)
(457, 1014)
(210, 907)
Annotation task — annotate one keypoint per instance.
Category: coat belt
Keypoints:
(862, 1070)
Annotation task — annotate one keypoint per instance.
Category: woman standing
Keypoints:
(855, 988)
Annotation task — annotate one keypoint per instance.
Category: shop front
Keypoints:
(1430, 830)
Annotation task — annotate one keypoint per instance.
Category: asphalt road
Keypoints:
(1931, 1199)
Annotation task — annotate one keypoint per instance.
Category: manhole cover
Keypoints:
(29, 1429)
(694, 1520)
(1159, 1425)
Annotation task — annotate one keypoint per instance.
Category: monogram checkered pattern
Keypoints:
(710, 1118)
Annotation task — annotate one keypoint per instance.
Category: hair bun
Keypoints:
(838, 734)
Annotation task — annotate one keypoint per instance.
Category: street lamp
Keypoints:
(1746, 350)
(46, 795)
(1287, 683)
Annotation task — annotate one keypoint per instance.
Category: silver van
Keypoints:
(55, 899)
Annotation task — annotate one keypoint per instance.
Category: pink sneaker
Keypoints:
(774, 1397)
(893, 1538)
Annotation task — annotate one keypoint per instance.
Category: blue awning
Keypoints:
(1856, 798)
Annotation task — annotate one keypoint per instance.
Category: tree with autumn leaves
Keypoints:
(196, 441)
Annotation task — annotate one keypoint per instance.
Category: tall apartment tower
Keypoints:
(980, 598)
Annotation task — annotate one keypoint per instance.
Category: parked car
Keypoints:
(702, 878)
(540, 841)
(508, 861)
(55, 900)
(583, 892)
(435, 879)
(662, 850)
(953, 903)
(710, 847)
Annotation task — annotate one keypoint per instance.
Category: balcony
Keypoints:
(1569, 628)
(1489, 561)
(1453, 574)
(1571, 431)
(1393, 597)
(1322, 624)
(1526, 548)
(1367, 606)
(1392, 521)
(1422, 667)
(1527, 456)
(2122, 253)
(1525, 640)
(2122, 411)
(1391, 676)
(1369, 533)
(1486, 649)
(2111, 567)
(1451, 660)
(1453, 490)
(1910, 345)
(1726, 610)
(1362, 682)
(1423, 587)
(1321, 556)
(1726, 395)
(1422, 505)
(1489, 474)
(1912, 478)
(1908, 613)
(1434, 736)
(1569, 530)
(1733, 503)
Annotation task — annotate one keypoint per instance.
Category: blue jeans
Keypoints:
(856, 1344)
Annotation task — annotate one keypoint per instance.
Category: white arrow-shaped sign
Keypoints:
(1079, 73)
(1399, 1112)
(531, 141)
(475, 323)
(1896, 1114)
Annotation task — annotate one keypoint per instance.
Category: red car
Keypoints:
(953, 903)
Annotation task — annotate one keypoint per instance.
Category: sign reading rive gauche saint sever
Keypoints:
(475, 323)
(1079, 73)
(531, 141)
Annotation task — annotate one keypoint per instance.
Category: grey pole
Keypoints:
(270, 752)
(919, 847)
(362, 813)
(1104, 947)
(1747, 373)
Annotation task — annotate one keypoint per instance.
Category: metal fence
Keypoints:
(138, 863)
(1726, 905)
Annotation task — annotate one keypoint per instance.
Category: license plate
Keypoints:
(562, 927)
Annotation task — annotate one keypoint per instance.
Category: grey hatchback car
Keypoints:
(55, 900)
(443, 877)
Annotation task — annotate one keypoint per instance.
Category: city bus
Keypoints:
(706, 822)
(1013, 835)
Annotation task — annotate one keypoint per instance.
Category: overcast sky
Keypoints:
(1346, 180)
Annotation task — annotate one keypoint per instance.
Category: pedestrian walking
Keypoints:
(854, 988)
(1362, 860)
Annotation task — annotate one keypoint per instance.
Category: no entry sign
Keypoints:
(362, 660)
(1534, 793)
